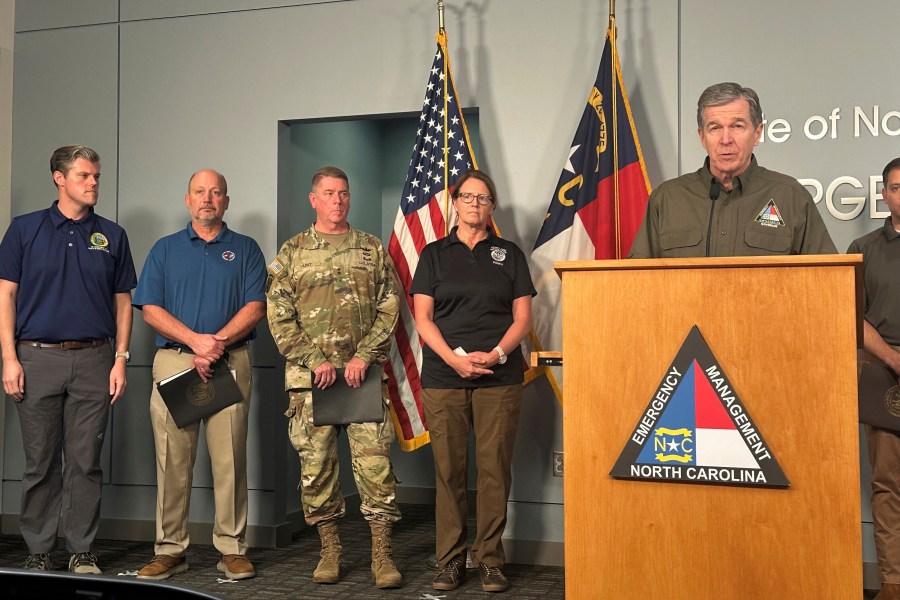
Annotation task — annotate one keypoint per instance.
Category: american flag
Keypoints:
(441, 153)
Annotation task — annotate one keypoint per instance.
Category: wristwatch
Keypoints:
(502, 354)
(126, 355)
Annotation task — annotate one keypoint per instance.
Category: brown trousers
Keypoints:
(493, 414)
(884, 456)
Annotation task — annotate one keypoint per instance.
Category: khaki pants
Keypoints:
(493, 414)
(176, 451)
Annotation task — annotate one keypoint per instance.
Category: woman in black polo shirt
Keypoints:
(472, 293)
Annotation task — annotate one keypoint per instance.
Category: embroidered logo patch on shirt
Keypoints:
(275, 267)
(99, 242)
(770, 216)
(498, 254)
(228, 255)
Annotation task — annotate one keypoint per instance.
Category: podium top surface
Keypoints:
(639, 264)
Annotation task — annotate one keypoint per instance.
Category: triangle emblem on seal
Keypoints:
(696, 429)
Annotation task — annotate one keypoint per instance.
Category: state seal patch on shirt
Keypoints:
(99, 242)
(770, 216)
(275, 267)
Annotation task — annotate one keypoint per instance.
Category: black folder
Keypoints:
(879, 396)
(341, 404)
(190, 399)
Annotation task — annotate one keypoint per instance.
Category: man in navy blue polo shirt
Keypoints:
(66, 277)
(203, 291)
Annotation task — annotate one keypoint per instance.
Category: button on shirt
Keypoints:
(202, 284)
(68, 273)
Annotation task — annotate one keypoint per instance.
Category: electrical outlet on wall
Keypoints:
(557, 463)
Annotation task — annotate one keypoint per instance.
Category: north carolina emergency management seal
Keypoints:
(200, 393)
(892, 401)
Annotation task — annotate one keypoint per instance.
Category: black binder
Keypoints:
(879, 396)
(190, 399)
(341, 404)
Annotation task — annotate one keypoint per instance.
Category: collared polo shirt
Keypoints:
(68, 273)
(473, 293)
(202, 284)
(881, 279)
(765, 213)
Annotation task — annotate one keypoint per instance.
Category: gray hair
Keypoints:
(329, 171)
(720, 94)
(63, 158)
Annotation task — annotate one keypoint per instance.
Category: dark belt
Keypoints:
(67, 345)
(187, 349)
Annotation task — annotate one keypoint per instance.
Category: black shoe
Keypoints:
(39, 562)
(492, 579)
(450, 576)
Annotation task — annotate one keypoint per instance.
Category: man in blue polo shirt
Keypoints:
(66, 277)
(203, 290)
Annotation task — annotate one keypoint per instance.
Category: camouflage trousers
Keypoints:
(370, 452)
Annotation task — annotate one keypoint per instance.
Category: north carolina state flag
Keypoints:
(601, 196)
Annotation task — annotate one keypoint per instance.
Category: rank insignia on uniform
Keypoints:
(770, 216)
(228, 255)
(697, 430)
(275, 267)
(98, 240)
(498, 254)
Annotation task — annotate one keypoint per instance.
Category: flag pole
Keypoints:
(615, 125)
(442, 39)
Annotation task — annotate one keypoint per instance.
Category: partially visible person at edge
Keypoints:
(66, 276)
(731, 206)
(333, 303)
(203, 290)
(472, 305)
(881, 345)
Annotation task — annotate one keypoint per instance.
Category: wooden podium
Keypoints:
(785, 329)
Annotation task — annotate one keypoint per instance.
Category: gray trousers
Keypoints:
(64, 413)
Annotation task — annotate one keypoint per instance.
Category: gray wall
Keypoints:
(173, 86)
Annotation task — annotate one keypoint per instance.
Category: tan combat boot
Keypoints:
(383, 570)
(329, 567)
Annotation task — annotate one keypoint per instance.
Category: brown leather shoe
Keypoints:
(163, 566)
(236, 566)
(492, 579)
(450, 576)
(889, 591)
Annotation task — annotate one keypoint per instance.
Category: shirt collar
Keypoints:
(451, 238)
(353, 240)
(224, 234)
(890, 234)
(740, 182)
(58, 219)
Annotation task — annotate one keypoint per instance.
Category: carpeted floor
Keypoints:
(284, 573)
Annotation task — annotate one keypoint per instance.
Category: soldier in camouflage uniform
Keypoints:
(333, 302)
